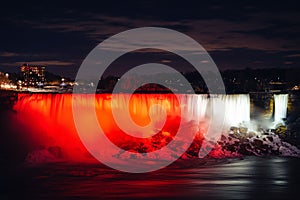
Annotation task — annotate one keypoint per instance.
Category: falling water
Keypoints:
(281, 102)
(237, 109)
(195, 106)
(48, 117)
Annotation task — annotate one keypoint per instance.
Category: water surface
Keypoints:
(247, 178)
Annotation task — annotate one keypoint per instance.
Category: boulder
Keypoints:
(258, 143)
(55, 151)
(234, 129)
(243, 130)
(251, 134)
(270, 138)
(281, 131)
(223, 138)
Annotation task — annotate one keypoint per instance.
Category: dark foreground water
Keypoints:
(247, 178)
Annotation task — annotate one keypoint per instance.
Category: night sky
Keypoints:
(237, 34)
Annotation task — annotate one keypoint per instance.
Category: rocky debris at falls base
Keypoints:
(237, 142)
(240, 142)
(45, 155)
(292, 132)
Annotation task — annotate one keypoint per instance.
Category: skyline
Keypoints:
(237, 35)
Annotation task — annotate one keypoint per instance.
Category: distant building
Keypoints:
(32, 75)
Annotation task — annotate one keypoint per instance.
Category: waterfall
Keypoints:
(57, 108)
(48, 121)
(237, 109)
(281, 101)
(195, 106)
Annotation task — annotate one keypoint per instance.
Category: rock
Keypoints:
(234, 129)
(243, 130)
(251, 134)
(281, 131)
(257, 143)
(191, 153)
(266, 133)
(260, 130)
(40, 157)
(265, 149)
(223, 137)
(243, 139)
(231, 148)
(55, 151)
(270, 138)
(245, 149)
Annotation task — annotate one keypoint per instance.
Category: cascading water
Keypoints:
(237, 109)
(48, 117)
(195, 106)
(281, 102)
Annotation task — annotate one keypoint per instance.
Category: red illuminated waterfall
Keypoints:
(48, 120)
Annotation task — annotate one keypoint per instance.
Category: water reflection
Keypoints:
(252, 177)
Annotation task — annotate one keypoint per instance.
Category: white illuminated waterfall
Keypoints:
(281, 102)
(237, 109)
(195, 106)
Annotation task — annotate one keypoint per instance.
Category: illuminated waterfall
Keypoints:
(48, 121)
(237, 109)
(281, 102)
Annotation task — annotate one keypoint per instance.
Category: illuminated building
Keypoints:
(32, 75)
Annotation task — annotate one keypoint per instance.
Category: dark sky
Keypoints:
(237, 34)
